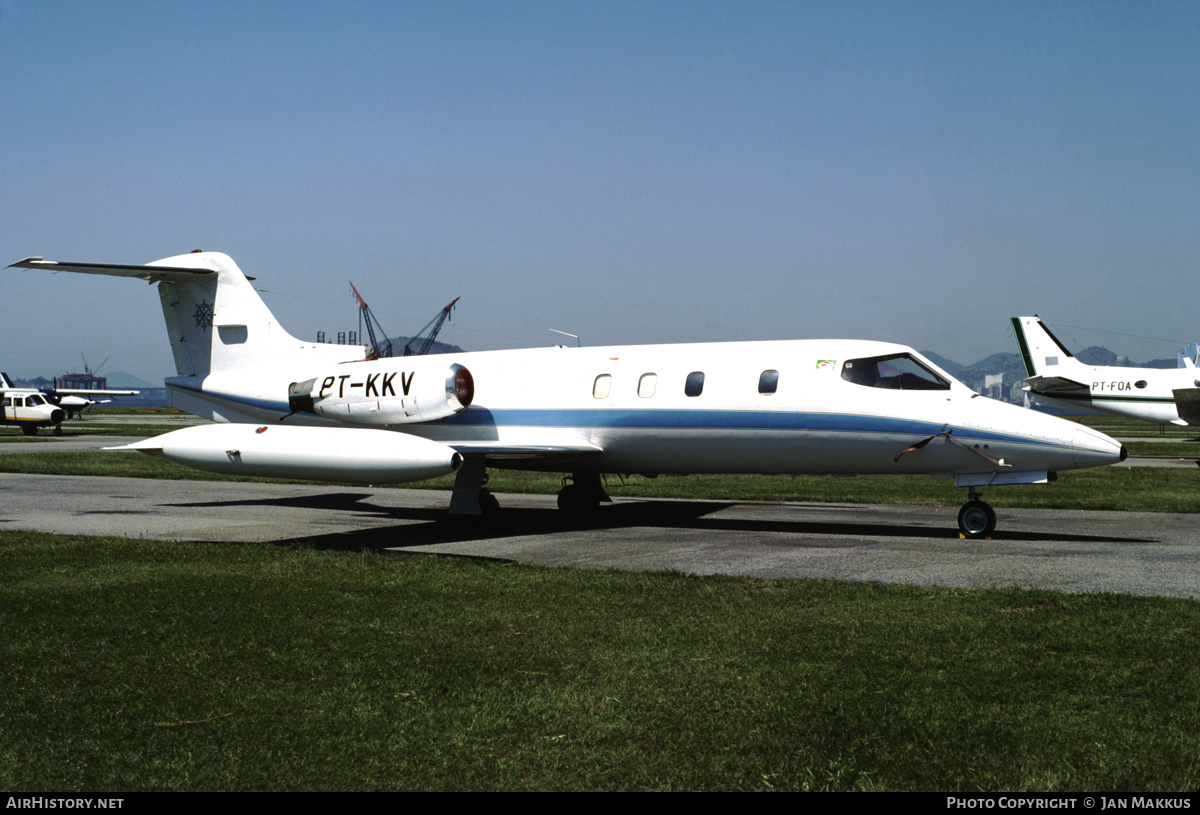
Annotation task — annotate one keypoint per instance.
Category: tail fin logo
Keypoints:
(204, 316)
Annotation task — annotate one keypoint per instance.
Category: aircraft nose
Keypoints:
(1094, 449)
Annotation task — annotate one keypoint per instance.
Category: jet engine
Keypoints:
(386, 395)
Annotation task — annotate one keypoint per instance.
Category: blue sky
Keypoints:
(630, 172)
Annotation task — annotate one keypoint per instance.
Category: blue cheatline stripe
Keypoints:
(587, 419)
(596, 419)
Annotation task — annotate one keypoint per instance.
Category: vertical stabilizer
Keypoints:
(1041, 351)
(232, 358)
(217, 321)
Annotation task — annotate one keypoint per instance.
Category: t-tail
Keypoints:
(227, 345)
(1041, 351)
(1055, 379)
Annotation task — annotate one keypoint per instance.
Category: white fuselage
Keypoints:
(627, 409)
(29, 408)
(1138, 393)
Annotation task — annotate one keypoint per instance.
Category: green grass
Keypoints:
(1110, 488)
(135, 665)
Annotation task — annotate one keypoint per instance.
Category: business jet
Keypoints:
(290, 409)
(1057, 379)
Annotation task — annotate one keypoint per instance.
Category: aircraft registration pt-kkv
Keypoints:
(290, 409)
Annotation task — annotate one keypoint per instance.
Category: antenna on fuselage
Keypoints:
(578, 344)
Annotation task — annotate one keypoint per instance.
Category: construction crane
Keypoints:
(366, 316)
(433, 327)
(385, 349)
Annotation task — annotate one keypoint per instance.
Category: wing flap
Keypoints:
(496, 451)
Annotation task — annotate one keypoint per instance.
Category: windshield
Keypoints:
(896, 371)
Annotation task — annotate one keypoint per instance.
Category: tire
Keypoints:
(575, 500)
(976, 520)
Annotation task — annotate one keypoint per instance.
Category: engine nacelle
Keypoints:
(388, 392)
(357, 454)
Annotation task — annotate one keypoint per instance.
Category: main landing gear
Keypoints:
(976, 519)
(583, 495)
(580, 496)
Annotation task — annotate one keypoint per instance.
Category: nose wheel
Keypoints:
(976, 519)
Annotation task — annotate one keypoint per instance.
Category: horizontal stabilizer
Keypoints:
(150, 273)
(1053, 384)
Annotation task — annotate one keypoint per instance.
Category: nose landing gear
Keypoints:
(976, 519)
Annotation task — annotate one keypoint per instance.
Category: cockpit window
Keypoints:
(897, 371)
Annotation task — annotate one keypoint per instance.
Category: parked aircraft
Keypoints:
(291, 409)
(1058, 379)
(29, 410)
(71, 400)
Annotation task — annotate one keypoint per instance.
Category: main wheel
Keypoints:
(488, 503)
(976, 520)
(576, 500)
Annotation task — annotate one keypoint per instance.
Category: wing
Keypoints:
(86, 392)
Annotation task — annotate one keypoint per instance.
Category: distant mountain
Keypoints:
(974, 376)
(1099, 355)
(947, 365)
(398, 344)
(122, 380)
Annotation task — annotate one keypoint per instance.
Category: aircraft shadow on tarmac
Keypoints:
(430, 526)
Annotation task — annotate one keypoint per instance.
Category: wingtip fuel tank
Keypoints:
(358, 455)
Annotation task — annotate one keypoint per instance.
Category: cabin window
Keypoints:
(768, 381)
(602, 386)
(647, 384)
(894, 371)
(1141, 383)
(8, 401)
(695, 383)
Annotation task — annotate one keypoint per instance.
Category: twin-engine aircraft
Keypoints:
(28, 409)
(31, 409)
(291, 409)
(1058, 379)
